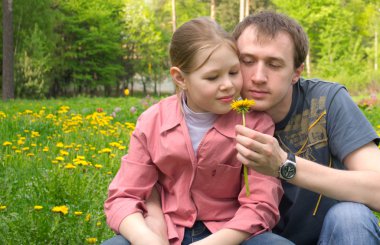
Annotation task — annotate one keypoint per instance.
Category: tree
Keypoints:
(8, 53)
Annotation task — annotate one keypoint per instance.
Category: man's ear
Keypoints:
(297, 73)
(178, 77)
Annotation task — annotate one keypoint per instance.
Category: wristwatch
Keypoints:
(288, 169)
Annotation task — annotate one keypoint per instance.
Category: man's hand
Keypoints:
(259, 151)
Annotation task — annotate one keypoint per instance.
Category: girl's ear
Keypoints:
(178, 77)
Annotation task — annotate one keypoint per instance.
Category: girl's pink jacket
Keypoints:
(208, 186)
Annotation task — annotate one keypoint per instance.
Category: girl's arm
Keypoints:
(155, 217)
(137, 232)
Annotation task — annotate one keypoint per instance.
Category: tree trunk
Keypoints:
(8, 81)
(212, 9)
(241, 12)
(174, 18)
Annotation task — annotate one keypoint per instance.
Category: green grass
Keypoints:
(42, 142)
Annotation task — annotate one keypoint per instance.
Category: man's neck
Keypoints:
(278, 112)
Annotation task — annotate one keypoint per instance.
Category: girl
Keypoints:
(185, 146)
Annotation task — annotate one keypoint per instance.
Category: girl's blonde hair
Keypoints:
(200, 34)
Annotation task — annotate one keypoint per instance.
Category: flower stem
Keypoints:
(245, 169)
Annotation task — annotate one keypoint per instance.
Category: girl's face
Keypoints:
(213, 86)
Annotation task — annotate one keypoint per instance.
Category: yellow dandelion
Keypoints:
(35, 134)
(109, 172)
(105, 150)
(63, 153)
(242, 107)
(98, 166)
(6, 143)
(45, 149)
(88, 217)
(126, 92)
(91, 240)
(30, 154)
(78, 213)
(70, 166)
(2, 207)
(98, 223)
(60, 209)
(38, 207)
(59, 158)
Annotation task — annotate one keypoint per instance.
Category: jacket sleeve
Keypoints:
(258, 212)
(132, 184)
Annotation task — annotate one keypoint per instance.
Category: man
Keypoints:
(324, 149)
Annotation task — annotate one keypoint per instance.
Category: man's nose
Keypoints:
(259, 74)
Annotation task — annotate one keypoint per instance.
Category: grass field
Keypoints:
(57, 158)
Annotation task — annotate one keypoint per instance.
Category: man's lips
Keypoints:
(258, 94)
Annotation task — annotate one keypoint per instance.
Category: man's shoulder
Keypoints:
(318, 84)
(315, 87)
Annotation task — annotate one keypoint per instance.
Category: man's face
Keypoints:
(268, 71)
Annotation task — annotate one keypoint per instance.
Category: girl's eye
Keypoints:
(233, 73)
(211, 78)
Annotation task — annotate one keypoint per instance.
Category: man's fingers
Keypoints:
(252, 134)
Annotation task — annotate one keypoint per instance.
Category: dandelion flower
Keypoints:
(78, 213)
(126, 92)
(6, 143)
(61, 209)
(38, 207)
(2, 207)
(91, 240)
(70, 166)
(88, 217)
(242, 107)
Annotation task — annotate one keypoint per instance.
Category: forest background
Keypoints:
(99, 48)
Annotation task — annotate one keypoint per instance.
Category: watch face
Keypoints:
(288, 170)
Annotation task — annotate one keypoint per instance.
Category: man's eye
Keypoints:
(247, 61)
(275, 65)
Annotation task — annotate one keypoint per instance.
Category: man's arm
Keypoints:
(360, 184)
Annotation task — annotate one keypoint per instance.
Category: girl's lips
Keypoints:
(228, 99)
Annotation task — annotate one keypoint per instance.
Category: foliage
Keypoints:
(34, 66)
(101, 47)
(339, 38)
(91, 35)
